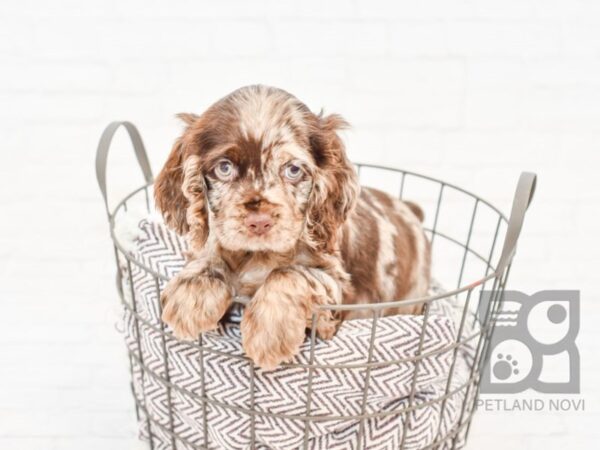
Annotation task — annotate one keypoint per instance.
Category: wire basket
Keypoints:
(473, 245)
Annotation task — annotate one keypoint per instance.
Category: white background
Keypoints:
(469, 91)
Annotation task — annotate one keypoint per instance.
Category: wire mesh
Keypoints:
(469, 257)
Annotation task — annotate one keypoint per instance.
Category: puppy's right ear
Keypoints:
(168, 186)
(179, 187)
(168, 192)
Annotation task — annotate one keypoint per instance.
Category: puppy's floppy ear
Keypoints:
(168, 194)
(179, 187)
(335, 189)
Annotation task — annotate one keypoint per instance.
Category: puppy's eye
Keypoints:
(292, 171)
(224, 169)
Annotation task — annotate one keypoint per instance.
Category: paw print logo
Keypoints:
(511, 362)
(532, 332)
(505, 367)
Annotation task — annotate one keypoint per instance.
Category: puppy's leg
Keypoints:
(274, 322)
(195, 300)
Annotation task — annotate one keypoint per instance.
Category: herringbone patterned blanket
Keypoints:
(279, 394)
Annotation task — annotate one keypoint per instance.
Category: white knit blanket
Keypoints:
(335, 392)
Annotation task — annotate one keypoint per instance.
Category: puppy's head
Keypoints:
(259, 171)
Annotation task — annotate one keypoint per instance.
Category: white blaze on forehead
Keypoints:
(264, 113)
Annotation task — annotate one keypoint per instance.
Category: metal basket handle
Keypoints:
(102, 155)
(521, 201)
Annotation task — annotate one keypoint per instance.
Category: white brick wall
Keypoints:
(473, 92)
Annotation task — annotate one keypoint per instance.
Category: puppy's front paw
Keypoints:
(272, 330)
(327, 325)
(192, 305)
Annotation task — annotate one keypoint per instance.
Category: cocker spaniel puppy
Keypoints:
(271, 207)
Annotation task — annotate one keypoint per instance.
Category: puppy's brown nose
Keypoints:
(258, 223)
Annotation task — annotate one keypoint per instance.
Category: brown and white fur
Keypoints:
(271, 207)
